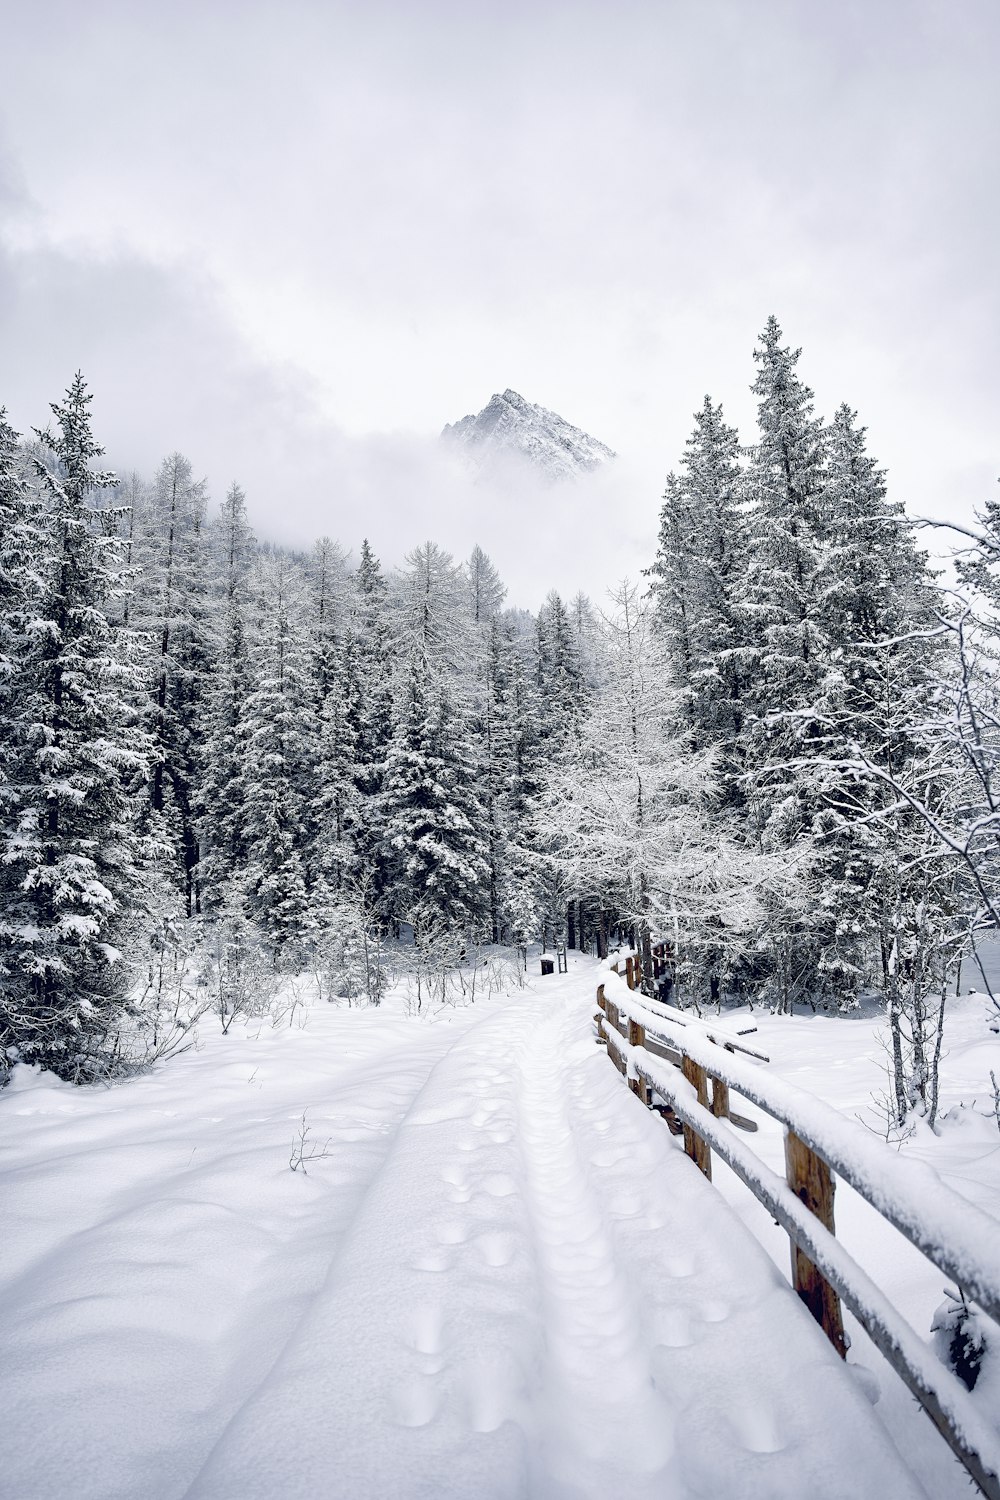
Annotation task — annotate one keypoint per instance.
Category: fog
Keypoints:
(294, 244)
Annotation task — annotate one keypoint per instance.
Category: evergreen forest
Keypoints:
(774, 752)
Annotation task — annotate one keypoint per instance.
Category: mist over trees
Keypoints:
(775, 752)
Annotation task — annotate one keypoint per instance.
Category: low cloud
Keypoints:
(169, 370)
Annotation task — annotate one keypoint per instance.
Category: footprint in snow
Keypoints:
(434, 1261)
(426, 1328)
(613, 1156)
(487, 1113)
(496, 1248)
(672, 1330)
(415, 1403)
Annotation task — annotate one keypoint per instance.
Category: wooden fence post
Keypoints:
(720, 1099)
(630, 972)
(810, 1180)
(696, 1148)
(637, 1038)
(619, 1061)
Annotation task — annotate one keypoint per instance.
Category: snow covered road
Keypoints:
(504, 1279)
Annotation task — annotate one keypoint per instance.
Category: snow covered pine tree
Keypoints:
(71, 856)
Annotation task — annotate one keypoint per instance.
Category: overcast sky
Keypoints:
(294, 240)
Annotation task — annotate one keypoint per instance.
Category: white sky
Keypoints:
(294, 240)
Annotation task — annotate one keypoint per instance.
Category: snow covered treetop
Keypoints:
(510, 425)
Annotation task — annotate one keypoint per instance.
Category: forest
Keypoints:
(775, 752)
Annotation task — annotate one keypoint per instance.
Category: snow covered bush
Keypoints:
(172, 996)
(960, 1337)
(350, 958)
(239, 971)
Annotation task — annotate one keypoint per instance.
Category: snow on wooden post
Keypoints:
(811, 1180)
(637, 1038)
(696, 1148)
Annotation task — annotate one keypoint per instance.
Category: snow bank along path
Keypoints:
(505, 1280)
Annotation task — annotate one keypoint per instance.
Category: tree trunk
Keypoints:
(602, 934)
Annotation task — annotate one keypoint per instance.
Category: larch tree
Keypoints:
(626, 812)
(486, 588)
(173, 610)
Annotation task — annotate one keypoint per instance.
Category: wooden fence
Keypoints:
(671, 1057)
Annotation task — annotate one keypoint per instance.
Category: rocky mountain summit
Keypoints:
(510, 425)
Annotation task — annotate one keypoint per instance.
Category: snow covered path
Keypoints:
(505, 1280)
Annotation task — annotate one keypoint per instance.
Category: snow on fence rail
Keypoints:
(955, 1235)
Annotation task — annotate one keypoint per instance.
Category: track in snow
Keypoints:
(514, 1285)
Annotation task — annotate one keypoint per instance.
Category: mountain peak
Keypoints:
(508, 424)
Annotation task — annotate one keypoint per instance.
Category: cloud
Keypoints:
(169, 370)
(295, 241)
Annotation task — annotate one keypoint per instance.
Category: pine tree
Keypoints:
(885, 659)
(223, 789)
(367, 687)
(335, 812)
(326, 816)
(278, 732)
(20, 544)
(698, 577)
(784, 608)
(497, 732)
(72, 858)
(20, 558)
(432, 815)
(328, 586)
(783, 657)
(558, 669)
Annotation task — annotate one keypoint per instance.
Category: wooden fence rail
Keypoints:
(819, 1143)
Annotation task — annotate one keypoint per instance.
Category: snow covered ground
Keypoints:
(844, 1061)
(498, 1277)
